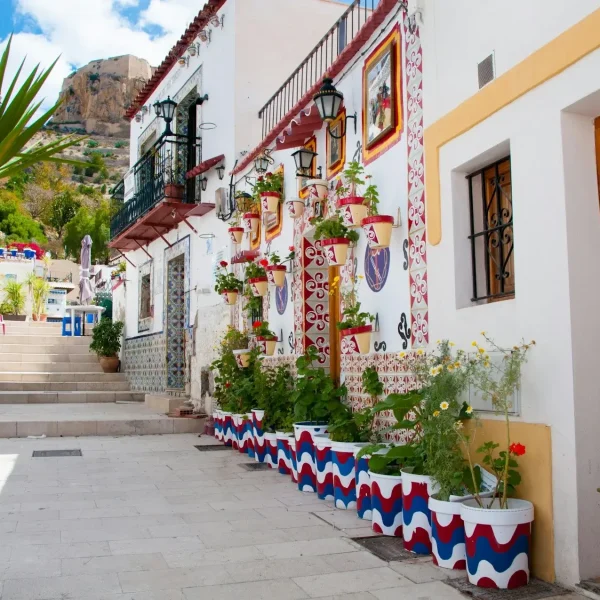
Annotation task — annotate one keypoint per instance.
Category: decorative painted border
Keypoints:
(181, 246)
(417, 238)
(146, 269)
(273, 231)
(311, 144)
(334, 168)
(388, 139)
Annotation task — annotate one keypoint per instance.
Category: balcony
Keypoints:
(156, 195)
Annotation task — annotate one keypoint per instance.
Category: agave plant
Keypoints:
(18, 122)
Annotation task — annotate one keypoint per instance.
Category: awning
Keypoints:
(204, 166)
(300, 129)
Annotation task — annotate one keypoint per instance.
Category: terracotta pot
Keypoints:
(498, 543)
(34, 317)
(42, 317)
(109, 364)
(378, 230)
(242, 358)
(236, 234)
(270, 201)
(230, 296)
(259, 285)
(336, 250)
(174, 190)
(296, 208)
(356, 340)
(276, 274)
(317, 189)
(251, 222)
(353, 209)
(267, 345)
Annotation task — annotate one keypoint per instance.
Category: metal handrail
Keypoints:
(315, 65)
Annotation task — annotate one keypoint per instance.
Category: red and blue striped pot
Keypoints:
(416, 516)
(305, 433)
(260, 447)
(284, 457)
(344, 474)
(324, 466)
(386, 504)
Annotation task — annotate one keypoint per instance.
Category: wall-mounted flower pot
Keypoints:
(363, 486)
(276, 274)
(284, 457)
(386, 503)
(250, 434)
(271, 448)
(242, 358)
(353, 210)
(447, 534)
(498, 542)
(236, 234)
(227, 428)
(230, 296)
(267, 344)
(174, 191)
(378, 230)
(416, 516)
(356, 340)
(270, 201)
(251, 222)
(259, 285)
(296, 208)
(305, 433)
(318, 189)
(336, 250)
(294, 464)
(260, 449)
(344, 474)
(324, 467)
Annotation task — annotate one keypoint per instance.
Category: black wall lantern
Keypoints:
(304, 159)
(166, 110)
(203, 183)
(221, 171)
(262, 162)
(329, 101)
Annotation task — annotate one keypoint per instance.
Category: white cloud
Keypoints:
(81, 31)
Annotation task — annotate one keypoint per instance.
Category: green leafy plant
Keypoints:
(270, 182)
(256, 269)
(333, 227)
(273, 393)
(261, 329)
(106, 338)
(498, 383)
(372, 384)
(18, 122)
(226, 281)
(274, 259)
(352, 315)
(40, 292)
(315, 396)
(122, 267)
(14, 297)
(354, 177)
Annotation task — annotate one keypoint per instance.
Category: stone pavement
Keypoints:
(151, 518)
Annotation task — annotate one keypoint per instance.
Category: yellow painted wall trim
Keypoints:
(550, 60)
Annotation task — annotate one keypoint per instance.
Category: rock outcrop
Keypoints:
(94, 97)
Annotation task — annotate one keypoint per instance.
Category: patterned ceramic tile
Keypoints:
(144, 362)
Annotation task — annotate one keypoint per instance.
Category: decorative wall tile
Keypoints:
(144, 362)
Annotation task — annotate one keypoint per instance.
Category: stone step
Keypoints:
(43, 339)
(50, 367)
(83, 376)
(53, 420)
(69, 397)
(47, 349)
(6, 355)
(64, 386)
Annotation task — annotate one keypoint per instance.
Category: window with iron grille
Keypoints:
(492, 238)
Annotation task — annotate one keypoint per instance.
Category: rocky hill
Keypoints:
(94, 97)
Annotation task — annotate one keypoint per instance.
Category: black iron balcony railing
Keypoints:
(316, 64)
(159, 174)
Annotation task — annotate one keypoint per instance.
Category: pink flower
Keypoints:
(291, 248)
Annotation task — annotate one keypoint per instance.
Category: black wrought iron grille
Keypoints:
(167, 162)
(492, 238)
(316, 64)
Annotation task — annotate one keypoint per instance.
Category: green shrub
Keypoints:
(107, 338)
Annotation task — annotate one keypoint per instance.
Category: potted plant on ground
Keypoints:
(256, 277)
(352, 205)
(40, 292)
(14, 301)
(106, 343)
(269, 190)
(355, 326)
(276, 268)
(265, 338)
(335, 238)
(227, 285)
(316, 399)
(498, 529)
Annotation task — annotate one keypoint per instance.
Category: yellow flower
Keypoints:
(486, 364)
(438, 341)
(450, 368)
(402, 354)
(419, 352)
(483, 333)
(474, 344)
(444, 405)
(481, 351)
(361, 277)
(469, 410)
(451, 344)
(458, 425)
(436, 413)
(457, 364)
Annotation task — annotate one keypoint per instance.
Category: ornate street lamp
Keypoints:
(304, 159)
(221, 171)
(166, 110)
(203, 183)
(329, 101)
(262, 162)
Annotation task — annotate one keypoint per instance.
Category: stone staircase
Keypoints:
(53, 385)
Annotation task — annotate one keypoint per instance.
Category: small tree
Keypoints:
(14, 297)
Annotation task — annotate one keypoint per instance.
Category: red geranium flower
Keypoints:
(256, 324)
(264, 262)
(223, 263)
(291, 248)
(261, 178)
(517, 449)
(269, 174)
(228, 385)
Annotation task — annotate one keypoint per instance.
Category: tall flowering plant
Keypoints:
(226, 281)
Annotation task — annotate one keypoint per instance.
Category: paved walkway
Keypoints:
(151, 518)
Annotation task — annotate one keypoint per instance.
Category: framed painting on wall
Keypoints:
(336, 146)
(382, 97)
(303, 179)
